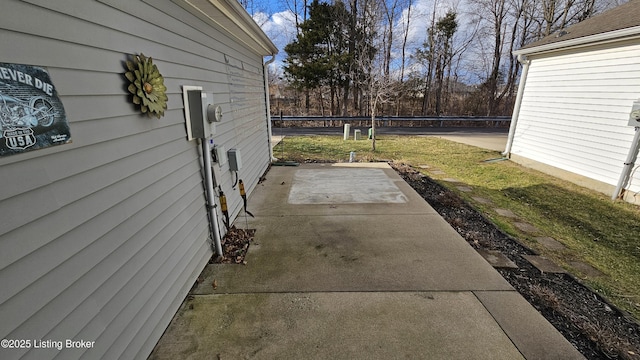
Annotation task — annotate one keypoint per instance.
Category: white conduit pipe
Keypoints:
(516, 109)
(213, 215)
(628, 164)
(268, 104)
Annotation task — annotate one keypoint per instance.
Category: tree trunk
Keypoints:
(307, 101)
(404, 57)
(321, 101)
(353, 30)
(345, 100)
(333, 102)
(431, 56)
(492, 83)
(439, 79)
(373, 127)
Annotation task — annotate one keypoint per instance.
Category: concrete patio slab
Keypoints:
(275, 201)
(396, 325)
(529, 331)
(351, 280)
(343, 186)
(356, 253)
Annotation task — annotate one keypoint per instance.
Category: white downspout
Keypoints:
(268, 102)
(628, 164)
(211, 206)
(516, 109)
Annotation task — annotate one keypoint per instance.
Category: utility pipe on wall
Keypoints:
(628, 164)
(268, 103)
(213, 215)
(516, 109)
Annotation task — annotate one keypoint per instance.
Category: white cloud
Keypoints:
(281, 29)
(420, 19)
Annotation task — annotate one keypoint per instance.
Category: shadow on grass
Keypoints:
(592, 219)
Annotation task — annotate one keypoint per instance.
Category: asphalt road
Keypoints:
(392, 130)
(491, 138)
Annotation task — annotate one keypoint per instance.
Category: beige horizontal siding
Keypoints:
(102, 238)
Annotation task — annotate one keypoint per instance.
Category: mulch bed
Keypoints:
(594, 326)
(235, 245)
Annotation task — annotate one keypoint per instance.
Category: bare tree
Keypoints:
(429, 56)
(518, 32)
(554, 15)
(476, 57)
(503, 23)
(299, 9)
(376, 81)
(390, 7)
(445, 29)
(405, 36)
(380, 90)
(405, 32)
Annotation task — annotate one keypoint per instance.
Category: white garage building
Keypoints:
(576, 94)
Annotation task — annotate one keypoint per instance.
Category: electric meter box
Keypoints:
(200, 114)
(235, 162)
(634, 117)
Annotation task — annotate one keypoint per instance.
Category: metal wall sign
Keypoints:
(31, 114)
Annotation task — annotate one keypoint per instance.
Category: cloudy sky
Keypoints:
(278, 22)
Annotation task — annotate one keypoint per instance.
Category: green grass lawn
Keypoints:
(594, 229)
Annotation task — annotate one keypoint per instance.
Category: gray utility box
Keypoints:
(235, 162)
(200, 114)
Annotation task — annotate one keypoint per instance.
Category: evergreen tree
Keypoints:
(319, 55)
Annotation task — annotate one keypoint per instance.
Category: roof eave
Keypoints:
(259, 35)
(234, 20)
(603, 38)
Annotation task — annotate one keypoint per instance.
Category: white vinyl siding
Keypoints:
(102, 238)
(575, 109)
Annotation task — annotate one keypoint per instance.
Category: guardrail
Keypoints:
(391, 121)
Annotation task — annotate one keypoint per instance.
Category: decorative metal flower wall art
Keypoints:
(147, 86)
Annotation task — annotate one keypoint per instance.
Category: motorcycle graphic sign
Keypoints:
(31, 114)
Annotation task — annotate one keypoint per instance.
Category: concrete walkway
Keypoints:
(349, 262)
(497, 142)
